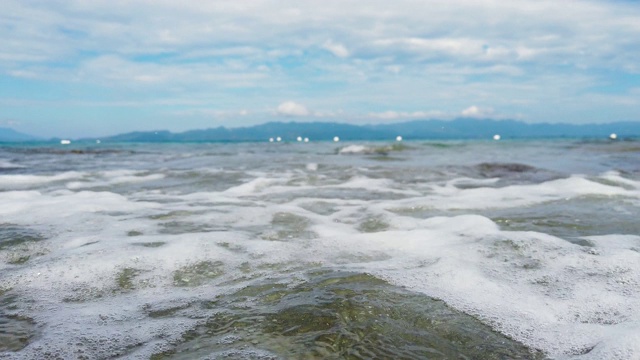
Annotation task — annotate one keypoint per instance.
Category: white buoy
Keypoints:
(278, 139)
(336, 139)
(496, 137)
(271, 140)
(98, 141)
(398, 138)
(299, 138)
(306, 139)
(613, 136)
(65, 142)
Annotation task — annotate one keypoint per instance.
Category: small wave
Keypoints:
(497, 169)
(58, 151)
(7, 165)
(377, 150)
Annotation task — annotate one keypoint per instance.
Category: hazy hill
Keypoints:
(10, 135)
(462, 128)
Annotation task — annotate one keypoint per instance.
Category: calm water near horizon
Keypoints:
(417, 250)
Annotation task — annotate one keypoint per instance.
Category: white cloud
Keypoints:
(435, 46)
(519, 56)
(117, 70)
(23, 74)
(213, 112)
(594, 33)
(394, 69)
(474, 111)
(290, 108)
(471, 111)
(393, 115)
(336, 49)
(519, 29)
(9, 122)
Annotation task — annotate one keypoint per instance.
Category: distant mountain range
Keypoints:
(463, 128)
(10, 135)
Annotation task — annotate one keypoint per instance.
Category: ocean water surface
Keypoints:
(413, 250)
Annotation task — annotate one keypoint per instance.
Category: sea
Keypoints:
(474, 249)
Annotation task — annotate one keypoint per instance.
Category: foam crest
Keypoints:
(115, 178)
(253, 186)
(616, 178)
(500, 276)
(22, 181)
(355, 149)
(373, 186)
(450, 196)
(9, 165)
(48, 207)
(376, 150)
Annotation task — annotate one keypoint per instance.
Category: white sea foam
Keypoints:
(9, 165)
(21, 181)
(380, 185)
(29, 206)
(355, 149)
(569, 300)
(531, 286)
(451, 197)
(616, 178)
(114, 178)
(253, 186)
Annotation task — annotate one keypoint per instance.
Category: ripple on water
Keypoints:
(572, 218)
(18, 244)
(337, 315)
(287, 226)
(16, 331)
(13, 235)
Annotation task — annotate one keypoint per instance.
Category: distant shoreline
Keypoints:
(457, 129)
(87, 143)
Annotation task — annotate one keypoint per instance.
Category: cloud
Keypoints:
(433, 47)
(290, 108)
(336, 49)
(23, 74)
(474, 111)
(520, 56)
(9, 122)
(545, 30)
(116, 70)
(396, 115)
(215, 113)
(595, 33)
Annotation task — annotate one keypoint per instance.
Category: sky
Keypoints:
(75, 68)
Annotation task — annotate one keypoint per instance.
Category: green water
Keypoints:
(334, 315)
